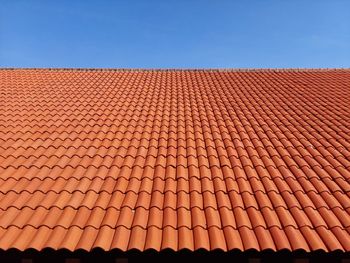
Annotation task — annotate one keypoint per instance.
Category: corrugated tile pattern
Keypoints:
(175, 159)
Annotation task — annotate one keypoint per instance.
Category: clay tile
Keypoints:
(170, 172)
(169, 185)
(342, 237)
(185, 239)
(213, 218)
(158, 200)
(196, 200)
(209, 200)
(280, 239)
(194, 184)
(256, 185)
(216, 173)
(56, 237)
(264, 238)
(217, 239)
(153, 238)
(130, 199)
(296, 239)
(224, 161)
(75, 200)
(183, 200)
(249, 239)
(198, 218)
(233, 239)
(113, 239)
(239, 173)
(181, 171)
(137, 238)
(244, 185)
(223, 200)
(201, 238)
(133, 185)
(170, 217)
(329, 238)
(252, 172)
(279, 200)
(249, 200)
(183, 218)
(146, 185)
(169, 238)
(71, 238)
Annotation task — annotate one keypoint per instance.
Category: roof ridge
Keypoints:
(186, 69)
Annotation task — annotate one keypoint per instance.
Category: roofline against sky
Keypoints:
(185, 69)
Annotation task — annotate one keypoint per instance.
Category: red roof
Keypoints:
(178, 159)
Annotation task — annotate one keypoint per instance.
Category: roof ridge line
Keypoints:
(183, 69)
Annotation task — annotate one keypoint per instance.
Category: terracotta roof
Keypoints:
(175, 159)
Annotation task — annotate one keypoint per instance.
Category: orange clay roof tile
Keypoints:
(175, 159)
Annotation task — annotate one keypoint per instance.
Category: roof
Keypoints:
(175, 159)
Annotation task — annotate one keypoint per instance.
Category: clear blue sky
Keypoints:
(175, 33)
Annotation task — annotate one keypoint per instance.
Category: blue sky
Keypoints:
(175, 33)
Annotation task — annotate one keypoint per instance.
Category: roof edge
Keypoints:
(186, 69)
